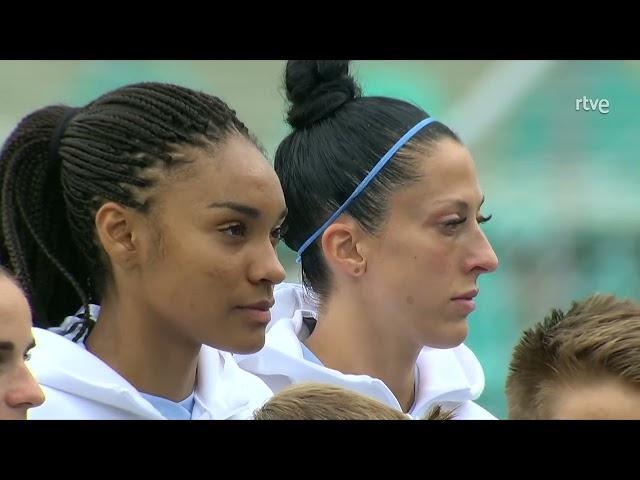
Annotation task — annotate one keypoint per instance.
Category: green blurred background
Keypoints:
(563, 185)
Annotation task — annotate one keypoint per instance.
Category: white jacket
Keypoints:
(448, 377)
(78, 385)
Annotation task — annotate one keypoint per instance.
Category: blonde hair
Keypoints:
(597, 336)
(319, 401)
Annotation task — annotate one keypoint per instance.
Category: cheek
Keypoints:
(193, 253)
(221, 277)
(420, 256)
(204, 287)
(224, 275)
(424, 272)
(434, 264)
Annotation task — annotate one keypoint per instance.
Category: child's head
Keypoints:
(584, 364)
(318, 401)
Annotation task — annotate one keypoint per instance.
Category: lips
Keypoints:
(263, 305)
(258, 312)
(470, 295)
(465, 301)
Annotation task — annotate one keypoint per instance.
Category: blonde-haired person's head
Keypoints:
(319, 401)
(584, 364)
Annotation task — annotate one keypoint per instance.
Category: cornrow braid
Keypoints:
(52, 187)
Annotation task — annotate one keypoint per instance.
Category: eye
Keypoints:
(482, 219)
(452, 225)
(279, 232)
(236, 231)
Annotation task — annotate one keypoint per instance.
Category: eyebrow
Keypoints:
(244, 209)
(10, 346)
(238, 207)
(461, 204)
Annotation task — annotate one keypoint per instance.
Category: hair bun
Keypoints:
(316, 89)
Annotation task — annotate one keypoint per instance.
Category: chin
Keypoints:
(248, 348)
(247, 344)
(450, 337)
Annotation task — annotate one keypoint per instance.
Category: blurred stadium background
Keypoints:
(563, 185)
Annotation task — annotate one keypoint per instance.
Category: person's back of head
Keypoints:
(584, 364)
(319, 401)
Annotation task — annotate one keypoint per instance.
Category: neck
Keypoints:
(352, 339)
(142, 348)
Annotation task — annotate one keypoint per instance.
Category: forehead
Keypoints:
(14, 309)
(447, 171)
(601, 398)
(448, 164)
(235, 170)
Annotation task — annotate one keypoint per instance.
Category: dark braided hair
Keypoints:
(54, 179)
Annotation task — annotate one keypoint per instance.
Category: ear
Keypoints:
(342, 246)
(117, 228)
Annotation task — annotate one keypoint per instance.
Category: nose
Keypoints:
(23, 391)
(266, 266)
(482, 258)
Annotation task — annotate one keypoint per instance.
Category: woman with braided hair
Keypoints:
(155, 203)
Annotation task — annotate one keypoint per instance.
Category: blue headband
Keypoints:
(363, 184)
